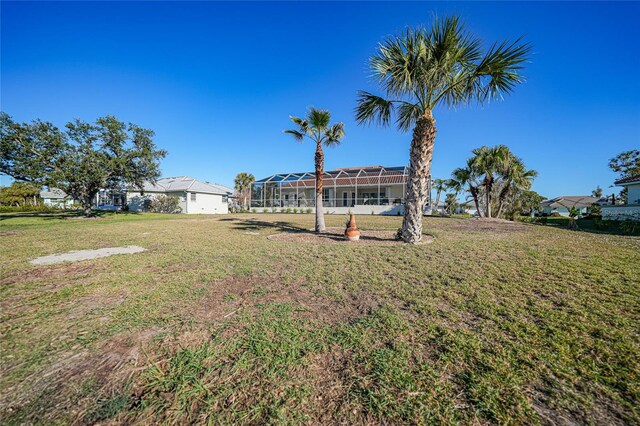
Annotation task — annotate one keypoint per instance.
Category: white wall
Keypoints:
(633, 194)
(620, 212)
(205, 204)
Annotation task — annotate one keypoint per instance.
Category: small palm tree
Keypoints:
(465, 179)
(426, 68)
(317, 127)
(242, 185)
(438, 185)
(515, 179)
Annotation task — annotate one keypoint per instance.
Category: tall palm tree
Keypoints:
(425, 68)
(438, 185)
(317, 127)
(242, 185)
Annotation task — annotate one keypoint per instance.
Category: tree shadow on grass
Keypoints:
(61, 215)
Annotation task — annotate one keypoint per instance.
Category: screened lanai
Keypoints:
(345, 187)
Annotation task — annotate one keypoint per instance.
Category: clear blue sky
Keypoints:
(217, 81)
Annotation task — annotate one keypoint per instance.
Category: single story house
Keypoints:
(196, 197)
(563, 204)
(362, 190)
(630, 210)
(54, 197)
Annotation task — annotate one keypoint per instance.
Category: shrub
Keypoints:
(30, 208)
(273, 209)
(287, 210)
(630, 226)
(254, 210)
(599, 224)
(265, 211)
(295, 210)
(165, 204)
(309, 210)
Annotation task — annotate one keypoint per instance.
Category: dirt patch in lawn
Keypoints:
(229, 296)
(70, 271)
(9, 233)
(477, 224)
(336, 236)
(79, 255)
(75, 380)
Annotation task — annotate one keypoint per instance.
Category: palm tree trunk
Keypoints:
(474, 194)
(319, 172)
(420, 156)
(488, 188)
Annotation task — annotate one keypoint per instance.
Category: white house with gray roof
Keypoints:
(196, 197)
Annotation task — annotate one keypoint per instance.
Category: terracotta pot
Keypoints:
(352, 233)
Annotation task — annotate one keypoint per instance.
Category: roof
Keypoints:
(53, 193)
(347, 176)
(569, 201)
(628, 180)
(185, 183)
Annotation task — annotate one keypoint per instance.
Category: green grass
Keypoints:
(214, 324)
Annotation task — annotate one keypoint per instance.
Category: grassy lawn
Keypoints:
(215, 323)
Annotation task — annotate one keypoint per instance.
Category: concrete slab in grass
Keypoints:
(74, 256)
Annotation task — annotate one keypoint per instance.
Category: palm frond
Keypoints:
(373, 109)
(298, 136)
(334, 134)
(408, 115)
(318, 119)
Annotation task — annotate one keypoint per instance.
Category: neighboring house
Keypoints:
(196, 197)
(468, 207)
(55, 197)
(561, 205)
(630, 210)
(362, 190)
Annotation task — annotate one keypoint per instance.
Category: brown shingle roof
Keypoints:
(628, 179)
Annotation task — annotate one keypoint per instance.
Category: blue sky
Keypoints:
(217, 81)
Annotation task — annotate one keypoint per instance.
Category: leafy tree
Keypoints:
(626, 163)
(20, 194)
(82, 159)
(425, 68)
(317, 127)
(597, 192)
(242, 185)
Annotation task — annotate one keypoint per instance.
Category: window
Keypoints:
(224, 198)
(193, 196)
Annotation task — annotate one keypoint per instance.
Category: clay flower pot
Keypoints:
(352, 233)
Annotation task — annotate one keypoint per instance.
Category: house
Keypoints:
(562, 205)
(54, 197)
(361, 190)
(196, 197)
(630, 210)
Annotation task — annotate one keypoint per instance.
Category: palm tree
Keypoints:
(425, 68)
(487, 162)
(515, 178)
(242, 185)
(317, 127)
(439, 185)
(465, 179)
